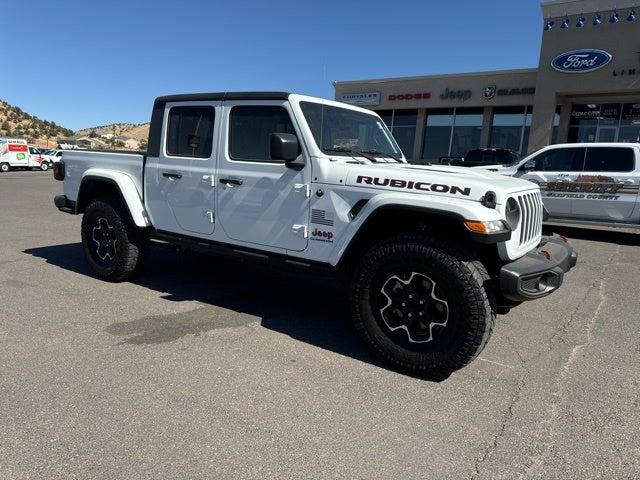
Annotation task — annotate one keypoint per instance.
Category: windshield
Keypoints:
(341, 131)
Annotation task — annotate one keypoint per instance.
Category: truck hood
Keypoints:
(501, 169)
(451, 182)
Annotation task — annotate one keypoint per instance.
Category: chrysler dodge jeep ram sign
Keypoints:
(581, 61)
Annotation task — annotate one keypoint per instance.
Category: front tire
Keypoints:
(114, 248)
(44, 166)
(422, 305)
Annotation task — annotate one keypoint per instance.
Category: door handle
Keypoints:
(231, 181)
(172, 175)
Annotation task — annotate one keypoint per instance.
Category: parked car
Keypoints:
(586, 183)
(483, 156)
(431, 253)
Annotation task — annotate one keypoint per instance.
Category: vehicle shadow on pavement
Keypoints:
(616, 237)
(310, 309)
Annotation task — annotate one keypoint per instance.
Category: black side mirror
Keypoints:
(285, 146)
(530, 165)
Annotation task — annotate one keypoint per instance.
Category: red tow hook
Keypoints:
(563, 238)
(546, 254)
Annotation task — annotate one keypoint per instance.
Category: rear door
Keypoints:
(179, 183)
(261, 201)
(555, 171)
(608, 184)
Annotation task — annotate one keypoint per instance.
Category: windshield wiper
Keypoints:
(353, 153)
(383, 154)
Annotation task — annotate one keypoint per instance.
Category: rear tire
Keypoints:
(424, 306)
(4, 167)
(114, 248)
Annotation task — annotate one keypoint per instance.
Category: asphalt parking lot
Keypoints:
(203, 368)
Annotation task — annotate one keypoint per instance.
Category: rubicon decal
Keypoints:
(411, 185)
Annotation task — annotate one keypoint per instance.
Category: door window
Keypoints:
(609, 159)
(190, 131)
(561, 160)
(250, 130)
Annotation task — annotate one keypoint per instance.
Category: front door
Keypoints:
(555, 170)
(180, 182)
(608, 185)
(261, 201)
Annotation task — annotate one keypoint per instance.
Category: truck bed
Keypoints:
(81, 163)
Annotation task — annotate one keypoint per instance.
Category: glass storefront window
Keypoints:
(581, 134)
(609, 114)
(527, 129)
(467, 125)
(510, 128)
(402, 124)
(387, 116)
(584, 115)
(451, 132)
(606, 122)
(437, 134)
(630, 123)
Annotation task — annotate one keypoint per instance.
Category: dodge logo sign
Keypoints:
(581, 61)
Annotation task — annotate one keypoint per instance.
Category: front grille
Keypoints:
(530, 216)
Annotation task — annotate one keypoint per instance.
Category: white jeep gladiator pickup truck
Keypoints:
(432, 253)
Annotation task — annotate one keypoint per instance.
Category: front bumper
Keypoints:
(538, 273)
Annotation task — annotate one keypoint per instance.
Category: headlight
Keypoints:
(492, 226)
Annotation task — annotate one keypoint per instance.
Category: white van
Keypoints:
(584, 182)
(16, 153)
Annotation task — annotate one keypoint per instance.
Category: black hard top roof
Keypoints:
(219, 96)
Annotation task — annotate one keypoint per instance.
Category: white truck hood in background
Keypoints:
(452, 182)
(501, 169)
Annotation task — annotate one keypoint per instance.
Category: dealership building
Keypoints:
(586, 89)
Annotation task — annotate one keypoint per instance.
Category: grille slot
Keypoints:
(530, 216)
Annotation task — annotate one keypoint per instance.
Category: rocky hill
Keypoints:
(16, 123)
(132, 130)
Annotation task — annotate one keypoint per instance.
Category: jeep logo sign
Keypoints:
(581, 61)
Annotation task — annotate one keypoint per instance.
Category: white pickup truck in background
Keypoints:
(584, 183)
(432, 253)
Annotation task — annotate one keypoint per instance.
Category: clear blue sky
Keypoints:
(83, 63)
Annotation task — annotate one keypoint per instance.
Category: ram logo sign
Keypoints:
(581, 61)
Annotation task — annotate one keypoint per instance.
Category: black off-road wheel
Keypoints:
(423, 305)
(114, 248)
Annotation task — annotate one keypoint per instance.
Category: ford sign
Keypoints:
(581, 61)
